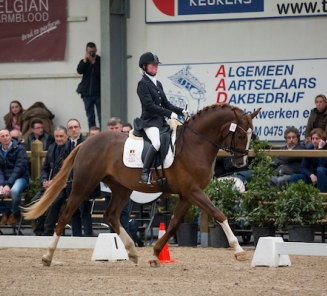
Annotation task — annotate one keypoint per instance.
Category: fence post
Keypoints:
(36, 164)
(204, 229)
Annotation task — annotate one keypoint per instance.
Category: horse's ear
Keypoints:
(255, 113)
(238, 118)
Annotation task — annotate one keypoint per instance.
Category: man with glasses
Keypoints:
(38, 133)
(89, 88)
(287, 166)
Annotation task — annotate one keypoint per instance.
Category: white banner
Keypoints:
(203, 10)
(285, 90)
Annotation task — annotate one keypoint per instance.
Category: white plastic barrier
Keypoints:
(273, 251)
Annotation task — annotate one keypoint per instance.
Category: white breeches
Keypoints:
(154, 136)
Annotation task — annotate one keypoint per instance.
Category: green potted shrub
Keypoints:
(261, 193)
(226, 197)
(187, 233)
(298, 209)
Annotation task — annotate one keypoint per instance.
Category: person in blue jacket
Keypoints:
(314, 170)
(14, 176)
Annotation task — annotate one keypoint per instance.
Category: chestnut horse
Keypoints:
(100, 159)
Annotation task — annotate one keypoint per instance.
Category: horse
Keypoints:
(99, 159)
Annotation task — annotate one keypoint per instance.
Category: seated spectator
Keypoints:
(127, 127)
(287, 166)
(18, 136)
(314, 170)
(317, 119)
(14, 176)
(39, 134)
(54, 158)
(114, 124)
(83, 213)
(241, 172)
(13, 119)
(37, 111)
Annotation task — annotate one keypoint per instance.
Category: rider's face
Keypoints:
(152, 68)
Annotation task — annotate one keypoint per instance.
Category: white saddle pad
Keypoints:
(133, 151)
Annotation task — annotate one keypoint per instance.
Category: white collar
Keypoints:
(153, 78)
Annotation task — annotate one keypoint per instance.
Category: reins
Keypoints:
(227, 149)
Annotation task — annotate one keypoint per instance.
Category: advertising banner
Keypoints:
(204, 10)
(33, 30)
(285, 90)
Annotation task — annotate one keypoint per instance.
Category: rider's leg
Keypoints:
(154, 136)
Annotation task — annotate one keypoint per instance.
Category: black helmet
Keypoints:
(148, 58)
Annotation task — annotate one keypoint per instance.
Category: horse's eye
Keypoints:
(242, 138)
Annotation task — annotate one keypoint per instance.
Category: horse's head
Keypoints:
(239, 135)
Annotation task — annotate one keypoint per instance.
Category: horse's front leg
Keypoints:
(180, 210)
(198, 198)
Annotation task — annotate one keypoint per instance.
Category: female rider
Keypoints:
(155, 107)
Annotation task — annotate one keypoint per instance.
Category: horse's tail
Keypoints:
(59, 181)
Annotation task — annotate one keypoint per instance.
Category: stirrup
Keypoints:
(150, 180)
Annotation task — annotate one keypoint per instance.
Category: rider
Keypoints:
(155, 107)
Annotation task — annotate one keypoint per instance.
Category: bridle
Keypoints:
(229, 149)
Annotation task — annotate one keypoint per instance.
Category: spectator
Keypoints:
(83, 213)
(74, 131)
(317, 119)
(127, 127)
(37, 111)
(314, 170)
(89, 88)
(287, 166)
(18, 136)
(75, 137)
(54, 158)
(38, 133)
(114, 124)
(13, 119)
(242, 172)
(14, 176)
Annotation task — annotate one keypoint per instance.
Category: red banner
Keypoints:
(33, 30)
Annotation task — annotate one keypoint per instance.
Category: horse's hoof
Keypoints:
(46, 262)
(133, 258)
(154, 263)
(241, 256)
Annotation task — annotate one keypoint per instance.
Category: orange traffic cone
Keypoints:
(164, 256)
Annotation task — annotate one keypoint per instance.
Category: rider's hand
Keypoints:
(186, 113)
(173, 115)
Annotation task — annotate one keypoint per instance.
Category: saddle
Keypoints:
(165, 142)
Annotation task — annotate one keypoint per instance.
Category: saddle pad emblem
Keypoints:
(132, 156)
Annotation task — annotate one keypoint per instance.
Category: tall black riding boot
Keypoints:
(148, 161)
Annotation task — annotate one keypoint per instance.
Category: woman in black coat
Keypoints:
(155, 107)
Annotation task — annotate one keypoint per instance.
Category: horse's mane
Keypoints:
(213, 106)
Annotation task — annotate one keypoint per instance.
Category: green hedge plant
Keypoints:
(260, 196)
(299, 204)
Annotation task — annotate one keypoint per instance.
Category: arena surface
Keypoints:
(199, 271)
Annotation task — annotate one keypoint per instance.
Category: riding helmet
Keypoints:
(148, 58)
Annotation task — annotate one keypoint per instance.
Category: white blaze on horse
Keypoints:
(99, 159)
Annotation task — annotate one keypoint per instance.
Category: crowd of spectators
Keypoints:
(15, 170)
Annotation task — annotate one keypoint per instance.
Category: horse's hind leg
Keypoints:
(180, 210)
(74, 200)
(119, 198)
